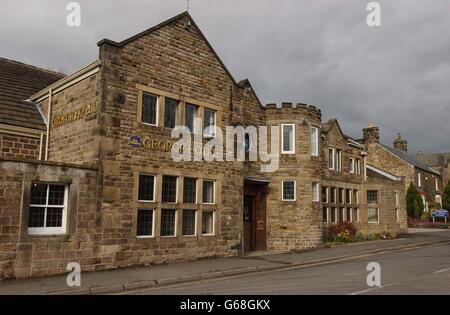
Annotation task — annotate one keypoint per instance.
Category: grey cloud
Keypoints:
(318, 52)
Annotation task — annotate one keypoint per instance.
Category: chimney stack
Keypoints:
(401, 144)
(371, 134)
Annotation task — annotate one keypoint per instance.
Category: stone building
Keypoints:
(396, 160)
(104, 189)
(439, 162)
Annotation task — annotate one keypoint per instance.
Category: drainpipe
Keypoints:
(49, 110)
(40, 146)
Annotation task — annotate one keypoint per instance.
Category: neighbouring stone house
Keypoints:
(396, 160)
(103, 189)
(439, 162)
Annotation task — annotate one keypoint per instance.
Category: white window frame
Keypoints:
(397, 214)
(212, 133)
(356, 192)
(338, 166)
(327, 195)
(378, 215)
(50, 230)
(295, 190)
(349, 202)
(397, 199)
(333, 159)
(352, 166)
(314, 137)
(351, 215)
(336, 214)
(214, 191)
(154, 187)
(196, 223)
(153, 224)
(436, 181)
(176, 189)
(316, 188)
(358, 166)
(158, 98)
(213, 223)
(419, 179)
(292, 151)
(327, 220)
(357, 216)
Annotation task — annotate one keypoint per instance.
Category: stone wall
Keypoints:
(23, 255)
(174, 61)
(74, 132)
(295, 225)
(19, 146)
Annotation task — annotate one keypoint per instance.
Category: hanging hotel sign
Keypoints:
(77, 114)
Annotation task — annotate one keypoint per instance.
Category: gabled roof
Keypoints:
(433, 159)
(18, 81)
(383, 173)
(409, 159)
(241, 84)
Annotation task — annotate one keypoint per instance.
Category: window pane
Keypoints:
(341, 195)
(149, 111)
(207, 222)
(372, 197)
(289, 190)
(348, 196)
(208, 191)
(209, 120)
(54, 217)
(333, 195)
(314, 141)
(56, 195)
(146, 187)
(36, 217)
(169, 189)
(324, 194)
(349, 215)
(372, 214)
(341, 214)
(330, 159)
(288, 135)
(315, 192)
(333, 215)
(145, 222)
(189, 222)
(355, 215)
(38, 194)
(170, 113)
(189, 190)
(168, 222)
(325, 214)
(190, 115)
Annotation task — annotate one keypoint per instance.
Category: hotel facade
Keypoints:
(87, 174)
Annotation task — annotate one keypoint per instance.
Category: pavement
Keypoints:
(144, 278)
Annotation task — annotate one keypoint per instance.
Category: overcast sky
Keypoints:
(319, 52)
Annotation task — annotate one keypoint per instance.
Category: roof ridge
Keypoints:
(33, 67)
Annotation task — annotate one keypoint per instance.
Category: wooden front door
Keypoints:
(255, 223)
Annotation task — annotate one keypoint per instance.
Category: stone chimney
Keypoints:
(371, 134)
(401, 144)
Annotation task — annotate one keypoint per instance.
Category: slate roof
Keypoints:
(434, 159)
(18, 81)
(410, 159)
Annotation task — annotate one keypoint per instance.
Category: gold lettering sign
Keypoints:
(157, 145)
(77, 114)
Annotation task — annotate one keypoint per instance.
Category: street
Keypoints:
(425, 270)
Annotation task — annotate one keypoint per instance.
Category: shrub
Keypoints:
(426, 216)
(342, 232)
(446, 197)
(414, 202)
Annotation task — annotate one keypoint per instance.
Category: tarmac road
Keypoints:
(424, 270)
